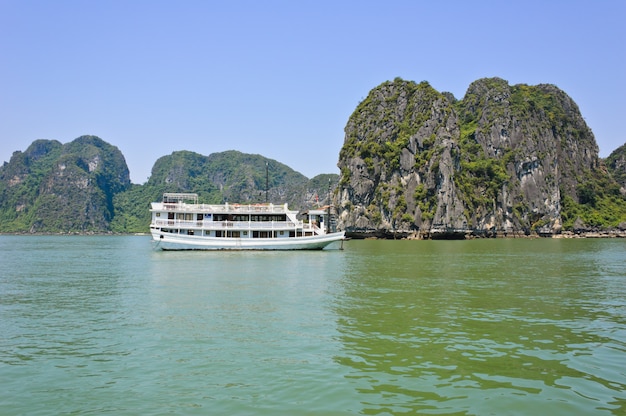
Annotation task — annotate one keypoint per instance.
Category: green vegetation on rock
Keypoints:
(62, 188)
(504, 158)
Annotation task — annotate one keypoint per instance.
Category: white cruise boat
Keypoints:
(179, 222)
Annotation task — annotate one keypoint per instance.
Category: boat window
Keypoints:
(199, 217)
(170, 215)
(268, 218)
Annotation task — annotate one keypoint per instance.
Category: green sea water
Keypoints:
(94, 325)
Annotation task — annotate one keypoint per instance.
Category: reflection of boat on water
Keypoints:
(179, 222)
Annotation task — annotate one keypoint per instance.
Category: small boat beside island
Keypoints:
(179, 222)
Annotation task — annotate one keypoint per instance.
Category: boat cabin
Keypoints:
(317, 217)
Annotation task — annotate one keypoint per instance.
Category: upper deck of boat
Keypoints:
(178, 202)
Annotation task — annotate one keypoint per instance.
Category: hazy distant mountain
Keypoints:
(229, 176)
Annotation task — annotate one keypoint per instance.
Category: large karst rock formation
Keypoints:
(503, 159)
(54, 187)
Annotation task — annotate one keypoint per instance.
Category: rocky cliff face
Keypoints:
(62, 188)
(616, 164)
(501, 159)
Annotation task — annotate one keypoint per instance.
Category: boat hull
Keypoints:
(170, 241)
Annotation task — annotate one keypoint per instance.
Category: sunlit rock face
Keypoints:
(416, 160)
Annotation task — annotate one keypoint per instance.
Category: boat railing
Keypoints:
(230, 208)
(313, 227)
(308, 226)
(227, 225)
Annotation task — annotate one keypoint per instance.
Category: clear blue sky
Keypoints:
(281, 78)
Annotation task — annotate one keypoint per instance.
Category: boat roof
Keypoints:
(174, 197)
(317, 211)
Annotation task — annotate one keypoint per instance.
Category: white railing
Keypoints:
(228, 225)
(237, 208)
